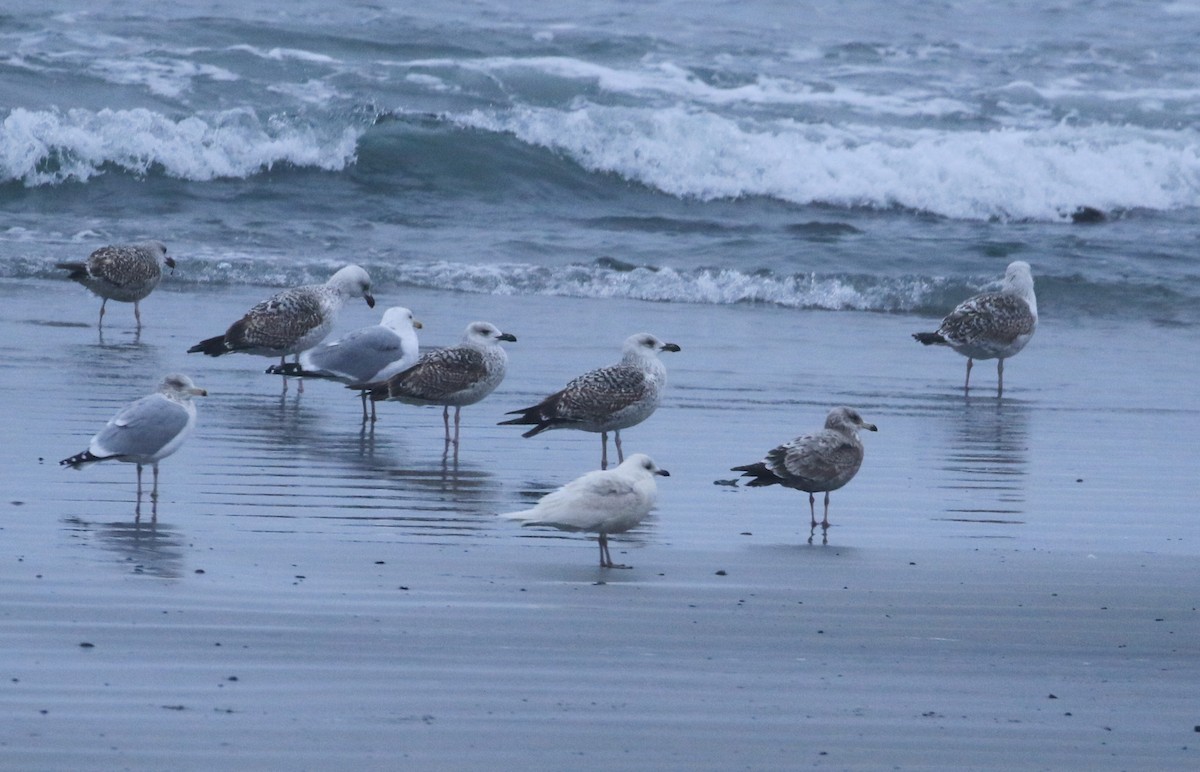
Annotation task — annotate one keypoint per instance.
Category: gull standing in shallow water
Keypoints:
(993, 325)
(122, 272)
(146, 431)
(454, 376)
(601, 501)
(821, 461)
(292, 321)
(605, 400)
(373, 353)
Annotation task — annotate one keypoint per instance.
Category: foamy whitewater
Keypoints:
(869, 157)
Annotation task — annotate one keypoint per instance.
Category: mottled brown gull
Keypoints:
(822, 461)
(126, 273)
(601, 502)
(146, 431)
(455, 376)
(993, 325)
(372, 353)
(293, 320)
(607, 399)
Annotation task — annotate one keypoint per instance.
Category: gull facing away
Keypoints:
(993, 325)
(292, 321)
(603, 501)
(123, 272)
(607, 399)
(454, 376)
(146, 431)
(372, 353)
(821, 461)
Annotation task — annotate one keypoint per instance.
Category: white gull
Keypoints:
(601, 502)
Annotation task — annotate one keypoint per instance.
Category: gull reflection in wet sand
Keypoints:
(986, 462)
(151, 549)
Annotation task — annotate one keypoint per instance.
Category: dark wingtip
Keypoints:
(79, 459)
(928, 338)
(213, 347)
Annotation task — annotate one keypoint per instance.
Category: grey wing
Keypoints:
(601, 393)
(439, 373)
(357, 356)
(816, 459)
(278, 322)
(992, 316)
(142, 428)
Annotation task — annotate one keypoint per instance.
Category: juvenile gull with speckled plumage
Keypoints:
(126, 273)
(146, 431)
(607, 399)
(822, 461)
(373, 353)
(992, 325)
(293, 320)
(454, 376)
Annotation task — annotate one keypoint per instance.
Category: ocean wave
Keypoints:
(48, 147)
(1007, 174)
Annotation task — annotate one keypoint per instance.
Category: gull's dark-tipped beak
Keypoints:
(669, 347)
(508, 336)
(170, 263)
(663, 472)
(870, 427)
(370, 299)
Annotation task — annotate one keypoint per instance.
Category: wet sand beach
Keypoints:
(1005, 584)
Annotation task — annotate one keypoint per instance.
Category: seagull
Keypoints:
(607, 399)
(601, 501)
(373, 353)
(292, 321)
(994, 325)
(454, 376)
(122, 272)
(821, 461)
(146, 431)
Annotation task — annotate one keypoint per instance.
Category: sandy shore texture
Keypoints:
(1006, 585)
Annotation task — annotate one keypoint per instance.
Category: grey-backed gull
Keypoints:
(367, 354)
(146, 431)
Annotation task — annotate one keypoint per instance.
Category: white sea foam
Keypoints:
(50, 146)
(669, 81)
(708, 286)
(1038, 174)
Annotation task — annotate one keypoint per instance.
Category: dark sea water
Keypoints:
(854, 156)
